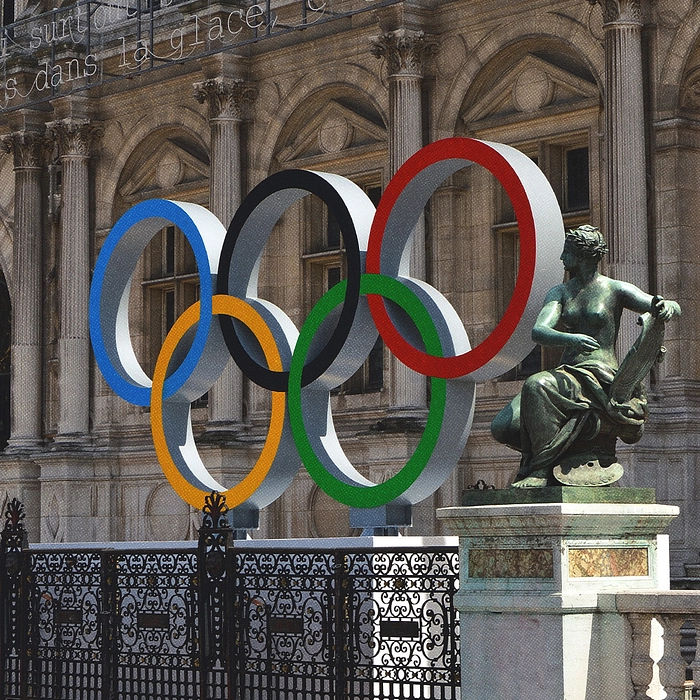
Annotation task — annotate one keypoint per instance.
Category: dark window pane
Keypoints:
(531, 364)
(169, 310)
(332, 276)
(577, 184)
(375, 194)
(201, 402)
(169, 250)
(190, 263)
(8, 12)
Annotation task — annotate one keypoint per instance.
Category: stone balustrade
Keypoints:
(659, 623)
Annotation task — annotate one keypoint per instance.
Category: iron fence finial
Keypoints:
(14, 515)
(215, 510)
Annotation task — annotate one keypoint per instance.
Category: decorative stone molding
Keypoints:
(405, 51)
(690, 94)
(225, 98)
(532, 90)
(620, 10)
(28, 147)
(74, 137)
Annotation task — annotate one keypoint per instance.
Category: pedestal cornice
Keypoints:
(558, 519)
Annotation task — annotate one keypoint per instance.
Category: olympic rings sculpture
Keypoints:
(300, 368)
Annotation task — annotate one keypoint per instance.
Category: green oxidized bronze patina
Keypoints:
(566, 421)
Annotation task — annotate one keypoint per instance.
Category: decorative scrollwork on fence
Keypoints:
(174, 624)
(361, 619)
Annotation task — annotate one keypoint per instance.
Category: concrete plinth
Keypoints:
(530, 578)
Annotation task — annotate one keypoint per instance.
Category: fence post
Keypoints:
(343, 624)
(215, 600)
(14, 621)
(109, 623)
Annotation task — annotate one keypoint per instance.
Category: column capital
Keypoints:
(28, 147)
(225, 98)
(404, 50)
(627, 11)
(74, 137)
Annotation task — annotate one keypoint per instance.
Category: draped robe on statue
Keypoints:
(573, 401)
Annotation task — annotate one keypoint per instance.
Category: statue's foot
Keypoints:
(588, 473)
(536, 480)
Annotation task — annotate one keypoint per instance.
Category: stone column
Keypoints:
(225, 99)
(404, 52)
(27, 304)
(74, 137)
(626, 205)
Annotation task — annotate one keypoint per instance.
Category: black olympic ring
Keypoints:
(244, 240)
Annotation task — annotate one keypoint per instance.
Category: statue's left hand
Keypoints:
(665, 309)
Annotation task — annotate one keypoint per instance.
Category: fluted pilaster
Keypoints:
(225, 100)
(28, 149)
(74, 139)
(626, 211)
(404, 52)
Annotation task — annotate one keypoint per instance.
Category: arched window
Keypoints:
(169, 164)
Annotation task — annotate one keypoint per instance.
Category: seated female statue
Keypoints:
(569, 409)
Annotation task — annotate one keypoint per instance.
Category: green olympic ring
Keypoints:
(349, 486)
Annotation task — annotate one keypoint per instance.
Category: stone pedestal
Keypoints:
(530, 579)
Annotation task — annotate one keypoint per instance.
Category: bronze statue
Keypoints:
(566, 421)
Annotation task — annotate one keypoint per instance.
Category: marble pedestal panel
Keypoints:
(530, 577)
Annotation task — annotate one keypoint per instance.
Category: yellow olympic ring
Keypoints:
(236, 308)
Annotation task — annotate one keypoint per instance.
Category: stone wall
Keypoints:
(355, 97)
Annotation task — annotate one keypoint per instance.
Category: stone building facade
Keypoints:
(604, 95)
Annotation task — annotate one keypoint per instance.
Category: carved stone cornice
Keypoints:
(74, 137)
(620, 10)
(225, 98)
(29, 149)
(404, 51)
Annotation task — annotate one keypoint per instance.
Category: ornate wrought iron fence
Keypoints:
(210, 620)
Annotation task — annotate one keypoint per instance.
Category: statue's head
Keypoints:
(587, 242)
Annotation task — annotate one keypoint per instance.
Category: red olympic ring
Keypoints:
(433, 163)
